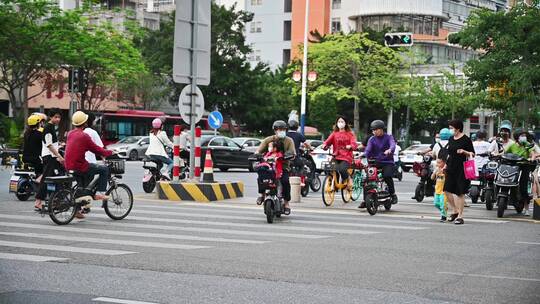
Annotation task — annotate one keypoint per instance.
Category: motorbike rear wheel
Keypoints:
(24, 190)
(61, 207)
(501, 205)
(489, 199)
(305, 190)
(474, 193)
(371, 203)
(419, 193)
(269, 210)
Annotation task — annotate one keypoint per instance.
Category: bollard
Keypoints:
(295, 189)
(176, 153)
(536, 209)
(197, 171)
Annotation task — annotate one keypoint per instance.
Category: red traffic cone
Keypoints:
(208, 173)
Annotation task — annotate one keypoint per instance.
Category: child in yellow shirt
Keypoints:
(440, 198)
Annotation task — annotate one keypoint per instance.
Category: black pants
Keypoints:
(524, 184)
(285, 186)
(342, 167)
(51, 167)
(36, 164)
(388, 175)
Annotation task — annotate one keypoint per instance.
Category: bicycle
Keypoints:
(359, 177)
(332, 185)
(68, 199)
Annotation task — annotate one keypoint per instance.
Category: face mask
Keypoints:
(270, 149)
(523, 139)
(341, 125)
(437, 140)
(452, 132)
(281, 134)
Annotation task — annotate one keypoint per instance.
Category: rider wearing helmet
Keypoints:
(442, 144)
(381, 147)
(158, 141)
(504, 140)
(285, 145)
(32, 148)
(298, 140)
(77, 144)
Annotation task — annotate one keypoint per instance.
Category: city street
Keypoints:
(225, 252)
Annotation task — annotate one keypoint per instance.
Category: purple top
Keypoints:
(376, 147)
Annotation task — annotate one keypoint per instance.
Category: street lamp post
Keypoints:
(304, 71)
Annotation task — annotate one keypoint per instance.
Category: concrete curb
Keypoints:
(199, 192)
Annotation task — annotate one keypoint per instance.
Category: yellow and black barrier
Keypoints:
(199, 192)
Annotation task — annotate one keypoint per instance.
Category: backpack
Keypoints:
(443, 152)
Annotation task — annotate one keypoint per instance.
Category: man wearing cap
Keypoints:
(77, 144)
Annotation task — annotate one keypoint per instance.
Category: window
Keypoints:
(229, 143)
(255, 55)
(336, 25)
(217, 142)
(286, 57)
(256, 2)
(256, 27)
(336, 4)
(287, 6)
(287, 30)
(145, 141)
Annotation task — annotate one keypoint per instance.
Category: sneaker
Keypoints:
(459, 221)
(79, 215)
(525, 213)
(443, 219)
(260, 200)
(394, 199)
(467, 204)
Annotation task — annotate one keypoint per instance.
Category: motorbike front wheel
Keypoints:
(315, 183)
(371, 203)
(269, 211)
(419, 193)
(488, 194)
(501, 205)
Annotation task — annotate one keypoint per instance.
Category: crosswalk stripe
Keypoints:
(355, 218)
(102, 241)
(327, 223)
(29, 257)
(130, 233)
(64, 248)
(119, 301)
(195, 222)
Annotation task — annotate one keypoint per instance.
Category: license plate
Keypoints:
(13, 186)
(410, 156)
(475, 183)
(51, 187)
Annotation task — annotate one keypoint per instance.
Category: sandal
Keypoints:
(453, 217)
(286, 211)
(459, 221)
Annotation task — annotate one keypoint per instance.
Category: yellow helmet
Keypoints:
(33, 120)
(79, 118)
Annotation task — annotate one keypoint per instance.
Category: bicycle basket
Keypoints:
(117, 166)
(328, 167)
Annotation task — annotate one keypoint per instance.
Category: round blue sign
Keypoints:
(215, 120)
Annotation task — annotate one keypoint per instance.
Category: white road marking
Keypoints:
(528, 243)
(64, 248)
(130, 233)
(29, 257)
(489, 276)
(119, 301)
(102, 241)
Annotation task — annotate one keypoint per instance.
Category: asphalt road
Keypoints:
(166, 252)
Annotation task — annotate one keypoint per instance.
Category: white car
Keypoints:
(321, 156)
(410, 155)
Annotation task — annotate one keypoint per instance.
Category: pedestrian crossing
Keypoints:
(183, 227)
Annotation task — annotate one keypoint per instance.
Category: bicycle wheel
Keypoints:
(358, 188)
(120, 202)
(328, 192)
(62, 207)
(346, 195)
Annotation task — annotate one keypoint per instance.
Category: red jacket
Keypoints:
(77, 144)
(339, 140)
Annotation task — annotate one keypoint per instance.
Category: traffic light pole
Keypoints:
(304, 71)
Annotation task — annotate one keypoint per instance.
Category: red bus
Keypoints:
(123, 123)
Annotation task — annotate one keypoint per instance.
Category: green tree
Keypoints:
(509, 57)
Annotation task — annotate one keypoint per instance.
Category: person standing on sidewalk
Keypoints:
(52, 160)
(460, 148)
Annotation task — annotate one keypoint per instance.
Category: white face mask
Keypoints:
(270, 149)
(281, 134)
(523, 139)
(452, 132)
(437, 140)
(341, 125)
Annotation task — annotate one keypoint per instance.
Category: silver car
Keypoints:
(131, 147)
(248, 143)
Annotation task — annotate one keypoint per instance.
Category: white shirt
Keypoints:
(481, 147)
(396, 153)
(158, 143)
(494, 146)
(437, 147)
(89, 156)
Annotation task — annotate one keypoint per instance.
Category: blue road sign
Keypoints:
(215, 120)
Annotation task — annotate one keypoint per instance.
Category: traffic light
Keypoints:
(77, 80)
(398, 39)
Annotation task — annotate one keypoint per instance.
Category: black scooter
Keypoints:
(426, 186)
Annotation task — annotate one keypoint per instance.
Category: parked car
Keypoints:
(248, 143)
(131, 147)
(226, 153)
(314, 142)
(410, 155)
(321, 156)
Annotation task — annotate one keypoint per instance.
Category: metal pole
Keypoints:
(193, 76)
(73, 102)
(304, 71)
(408, 118)
(390, 121)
